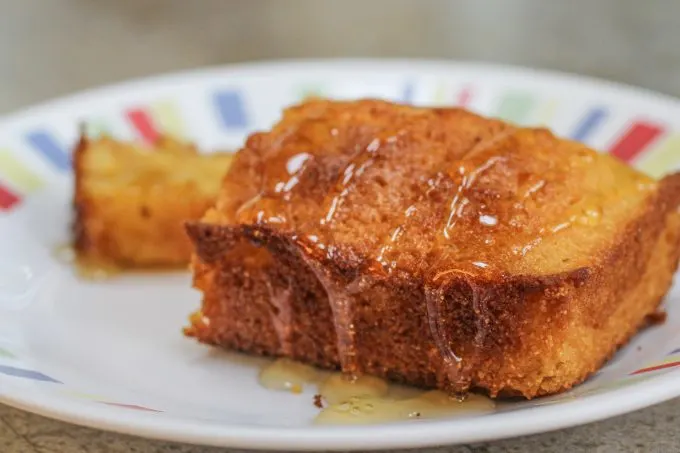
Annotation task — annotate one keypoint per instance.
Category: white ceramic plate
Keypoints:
(110, 355)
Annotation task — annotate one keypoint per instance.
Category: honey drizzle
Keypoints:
(356, 166)
(295, 166)
(389, 244)
(460, 200)
(468, 178)
(588, 217)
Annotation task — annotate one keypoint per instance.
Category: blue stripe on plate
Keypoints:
(230, 108)
(407, 93)
(26, 374)
(589, 124)
(46, 145)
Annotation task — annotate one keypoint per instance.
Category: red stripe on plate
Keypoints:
(464, 97)
(7, 198)
(655, 368)
(635, 140)
(143, 124)
(130, 406)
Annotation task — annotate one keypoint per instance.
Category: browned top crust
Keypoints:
(394, 188)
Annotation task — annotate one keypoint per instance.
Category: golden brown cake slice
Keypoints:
(131, 201)
(432, 247)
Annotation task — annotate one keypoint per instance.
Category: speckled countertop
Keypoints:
(53, 47)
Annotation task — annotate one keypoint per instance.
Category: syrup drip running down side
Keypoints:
(367, 399)
(436, 299)
(340, 299)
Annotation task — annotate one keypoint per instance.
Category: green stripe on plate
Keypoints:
(515, 107)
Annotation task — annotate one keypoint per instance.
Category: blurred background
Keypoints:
(53, 47)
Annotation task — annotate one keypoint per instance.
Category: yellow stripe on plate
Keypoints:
(84, 396)
(168, 118)
(662, 159)
(622, 382)
(670, 359)
(546, 112)
(17, 174)
(96, 128)
(440, 94)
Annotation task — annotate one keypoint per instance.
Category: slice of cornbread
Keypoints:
(131, 201)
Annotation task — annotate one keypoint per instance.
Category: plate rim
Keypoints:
(533, 420)
(425, 433)
(402, 65)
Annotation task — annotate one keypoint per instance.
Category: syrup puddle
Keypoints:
(87, 269)
(366, 399)
(98, 270)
